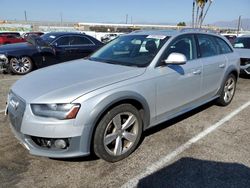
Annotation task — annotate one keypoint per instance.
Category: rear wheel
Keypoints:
(21, 66)
(228, 91)
(118, 133)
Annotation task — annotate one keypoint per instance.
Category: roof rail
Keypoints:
(199, 29)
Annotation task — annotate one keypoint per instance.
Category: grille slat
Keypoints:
(16, 108)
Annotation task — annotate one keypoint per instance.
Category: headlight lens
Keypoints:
(3, 58)
(58, 111)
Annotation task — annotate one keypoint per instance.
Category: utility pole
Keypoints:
(126, 18)
(239, 24)
(25, 16)
(61, 18)
(131, 20)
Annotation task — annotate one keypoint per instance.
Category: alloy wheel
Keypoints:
(121, 133)
(229, 90)
(21, 66)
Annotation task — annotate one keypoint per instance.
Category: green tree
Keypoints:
(181, 24)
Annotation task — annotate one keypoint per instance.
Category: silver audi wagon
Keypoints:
(105, 102)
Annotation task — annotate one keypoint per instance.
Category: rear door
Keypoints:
(62, 49)
(214, 64)
(81, 46)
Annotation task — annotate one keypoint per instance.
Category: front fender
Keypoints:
(116, 98)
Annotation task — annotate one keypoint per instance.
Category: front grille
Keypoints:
(16, 108)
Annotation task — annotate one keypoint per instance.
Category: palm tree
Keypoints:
(210, 2)
(200, 5)
(193, 13)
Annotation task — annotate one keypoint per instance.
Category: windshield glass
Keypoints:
(243, 42)
(48, 37)
(130, 50)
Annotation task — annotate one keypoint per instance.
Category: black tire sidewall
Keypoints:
(221, 100)
(99, 147)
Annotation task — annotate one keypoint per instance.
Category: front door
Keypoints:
(178, 85)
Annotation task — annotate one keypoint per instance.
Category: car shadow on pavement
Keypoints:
(245, 76)
(190, 172)
(91, 157)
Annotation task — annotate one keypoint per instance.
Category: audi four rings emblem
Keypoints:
(14, 104)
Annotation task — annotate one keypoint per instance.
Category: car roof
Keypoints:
(9, 33)
(172, 33)
(244, 36)
(64, 33)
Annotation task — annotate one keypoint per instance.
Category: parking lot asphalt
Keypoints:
(219, 159)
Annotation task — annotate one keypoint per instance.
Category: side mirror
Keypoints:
(176, 59)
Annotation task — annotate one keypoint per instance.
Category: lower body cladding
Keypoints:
(51, 138)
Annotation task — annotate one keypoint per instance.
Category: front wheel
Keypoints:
(228, 91)
(21, 66)
(118, 133)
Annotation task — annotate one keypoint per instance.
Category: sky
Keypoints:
(141, 11)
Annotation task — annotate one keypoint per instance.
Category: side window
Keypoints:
(224, 47)
(77, 40)
(62, 41)
(207, 46)
(184, 45)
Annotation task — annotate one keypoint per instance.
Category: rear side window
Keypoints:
(242, 42)
(62, 41)
(77, 40)
(207, 46)
(224, 47)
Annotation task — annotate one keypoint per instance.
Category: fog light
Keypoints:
(60, 144)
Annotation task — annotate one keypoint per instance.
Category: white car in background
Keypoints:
(108, 37)
(242, 46)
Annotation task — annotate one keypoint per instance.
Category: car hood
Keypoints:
(16, 47)
(65, 82)
(244, 53)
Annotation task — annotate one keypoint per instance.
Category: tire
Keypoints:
(5, 72)
(21, 66)
(118, 133)
(227, 91)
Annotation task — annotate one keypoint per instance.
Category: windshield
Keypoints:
(130, 50)
(243, 42)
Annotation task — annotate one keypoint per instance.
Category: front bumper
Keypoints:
(245, 69)
(27, 128)
(76, 147)
(4, 64)
(245, 66)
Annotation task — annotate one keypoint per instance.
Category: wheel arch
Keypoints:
(231, 70)
(10, 56)
(116, 99)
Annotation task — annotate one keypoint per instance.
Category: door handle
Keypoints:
(222, 65)
(197, 72)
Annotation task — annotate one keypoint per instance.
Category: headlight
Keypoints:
(3, 58)
(58, 111)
